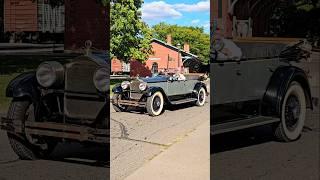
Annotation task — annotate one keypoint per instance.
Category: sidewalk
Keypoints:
(188, 159)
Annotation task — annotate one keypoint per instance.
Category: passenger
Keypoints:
(179, 76)
(226, 48)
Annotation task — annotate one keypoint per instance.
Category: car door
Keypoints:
(241, 81)
(226, 81)
(175, 88)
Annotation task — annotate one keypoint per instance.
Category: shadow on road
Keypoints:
(240, 139)
(79, 154)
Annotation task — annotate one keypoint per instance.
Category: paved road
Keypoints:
(69, 161)
(137, 138)
(253, 153)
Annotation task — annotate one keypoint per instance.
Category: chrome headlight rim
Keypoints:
(100, 79)
(125, 85)
(143, 86)
(50, 74)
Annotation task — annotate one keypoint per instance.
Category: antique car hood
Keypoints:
(155, 79)
(98, 58)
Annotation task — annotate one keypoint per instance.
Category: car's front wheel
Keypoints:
(201, 97)
(116, 106)
(293, 113)
(155, 104)
(20, 111)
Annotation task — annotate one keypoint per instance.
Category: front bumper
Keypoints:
(60, 130)
(129, 103)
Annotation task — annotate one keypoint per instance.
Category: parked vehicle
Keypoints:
(155, 92)
(264, 87)
(58, 102)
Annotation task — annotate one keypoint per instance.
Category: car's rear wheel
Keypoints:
(116, 106)
(201, 97)
(19, 111)
(293, 112)
(155, 104)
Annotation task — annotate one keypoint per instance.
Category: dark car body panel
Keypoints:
(75, 110)
(24, 85)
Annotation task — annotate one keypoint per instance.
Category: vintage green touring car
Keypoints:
(155, 92)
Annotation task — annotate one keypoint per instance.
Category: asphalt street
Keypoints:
(137, 138)
(68, 161)
(254, 153)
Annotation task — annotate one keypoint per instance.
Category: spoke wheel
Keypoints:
(201, 97)
(155, 104)
(293, 113)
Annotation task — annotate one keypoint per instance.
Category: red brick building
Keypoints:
(166, 57)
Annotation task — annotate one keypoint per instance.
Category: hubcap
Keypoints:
(292, 112)
(156, 103)
(201, 96)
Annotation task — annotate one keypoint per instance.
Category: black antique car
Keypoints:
(265, 86)
(155, 92)
(59, 102)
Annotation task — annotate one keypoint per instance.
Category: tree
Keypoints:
(195, 36)
(300, 18)
(130, 36)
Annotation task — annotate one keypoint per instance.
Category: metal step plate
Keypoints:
(182, 101)
(242, 124)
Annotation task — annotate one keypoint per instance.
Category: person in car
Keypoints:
(179, 76)
(226, 48)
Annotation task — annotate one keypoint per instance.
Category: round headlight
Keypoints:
(50, 74)
(143, 86)
(125, 84)
(101, 79)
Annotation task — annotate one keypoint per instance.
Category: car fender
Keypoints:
(151, 90)
(117, 89)
(24, 85)
(199, 85)
(278, 85)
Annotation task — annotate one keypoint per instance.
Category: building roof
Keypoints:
(174, 48)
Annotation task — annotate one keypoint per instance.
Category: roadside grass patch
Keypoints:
(4, 101)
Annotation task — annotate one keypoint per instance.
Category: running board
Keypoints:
(242, 124)
(182, 101)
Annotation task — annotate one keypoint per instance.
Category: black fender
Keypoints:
(24, 85)
(199, 85)
(278, 85)
(117, 89)
(151, 90)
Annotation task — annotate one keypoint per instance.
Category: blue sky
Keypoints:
(187, 13)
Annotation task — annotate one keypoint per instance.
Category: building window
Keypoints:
(154, 68)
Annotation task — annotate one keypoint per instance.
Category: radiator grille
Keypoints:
(134, 86)
(79, 77)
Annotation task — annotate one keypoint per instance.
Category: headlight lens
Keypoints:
(101, 79)
(143, 86)
(50, 74)
(125, 84)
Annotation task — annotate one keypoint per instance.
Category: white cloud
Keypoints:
(198, 7)
(159, 10)
(195, 21)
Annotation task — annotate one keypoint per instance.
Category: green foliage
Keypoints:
(130, 36)
(298, 19)
(199, 40)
